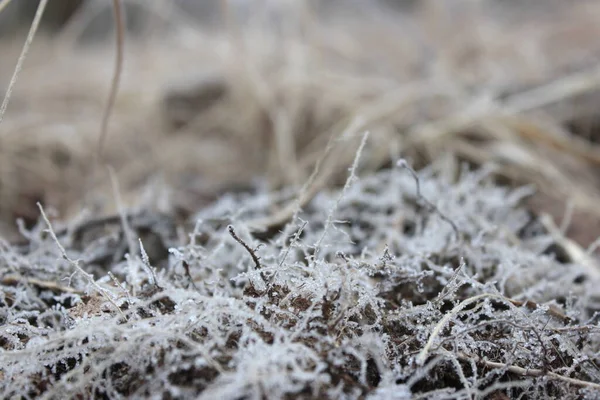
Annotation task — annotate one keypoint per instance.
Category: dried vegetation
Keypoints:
(372, 292)
(242, 261)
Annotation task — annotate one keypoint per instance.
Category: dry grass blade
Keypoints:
(30, 35)
(3, 4)
(4, 170)
(118, 68)
(558, 90)
(12, 279)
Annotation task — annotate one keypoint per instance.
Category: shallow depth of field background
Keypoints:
(221, 260)
(216, 95)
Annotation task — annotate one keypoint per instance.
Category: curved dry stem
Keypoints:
(120, 39)
(422, 357)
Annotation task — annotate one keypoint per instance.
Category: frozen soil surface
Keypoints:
(394, 288)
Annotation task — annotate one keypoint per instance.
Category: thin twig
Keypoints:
(188, 274)
(252, 252)
(430, 206)
(75, 263)
(533, 372)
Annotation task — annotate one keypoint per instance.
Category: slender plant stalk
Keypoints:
(32, 31)
(116, 79)
(114, 88)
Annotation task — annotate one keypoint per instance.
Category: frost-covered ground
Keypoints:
(396, 287)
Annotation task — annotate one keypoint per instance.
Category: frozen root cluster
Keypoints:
(403, 287)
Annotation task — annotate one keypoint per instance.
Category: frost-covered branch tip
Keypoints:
(402, 163)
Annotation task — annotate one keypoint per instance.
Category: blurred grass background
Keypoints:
(218, 93)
